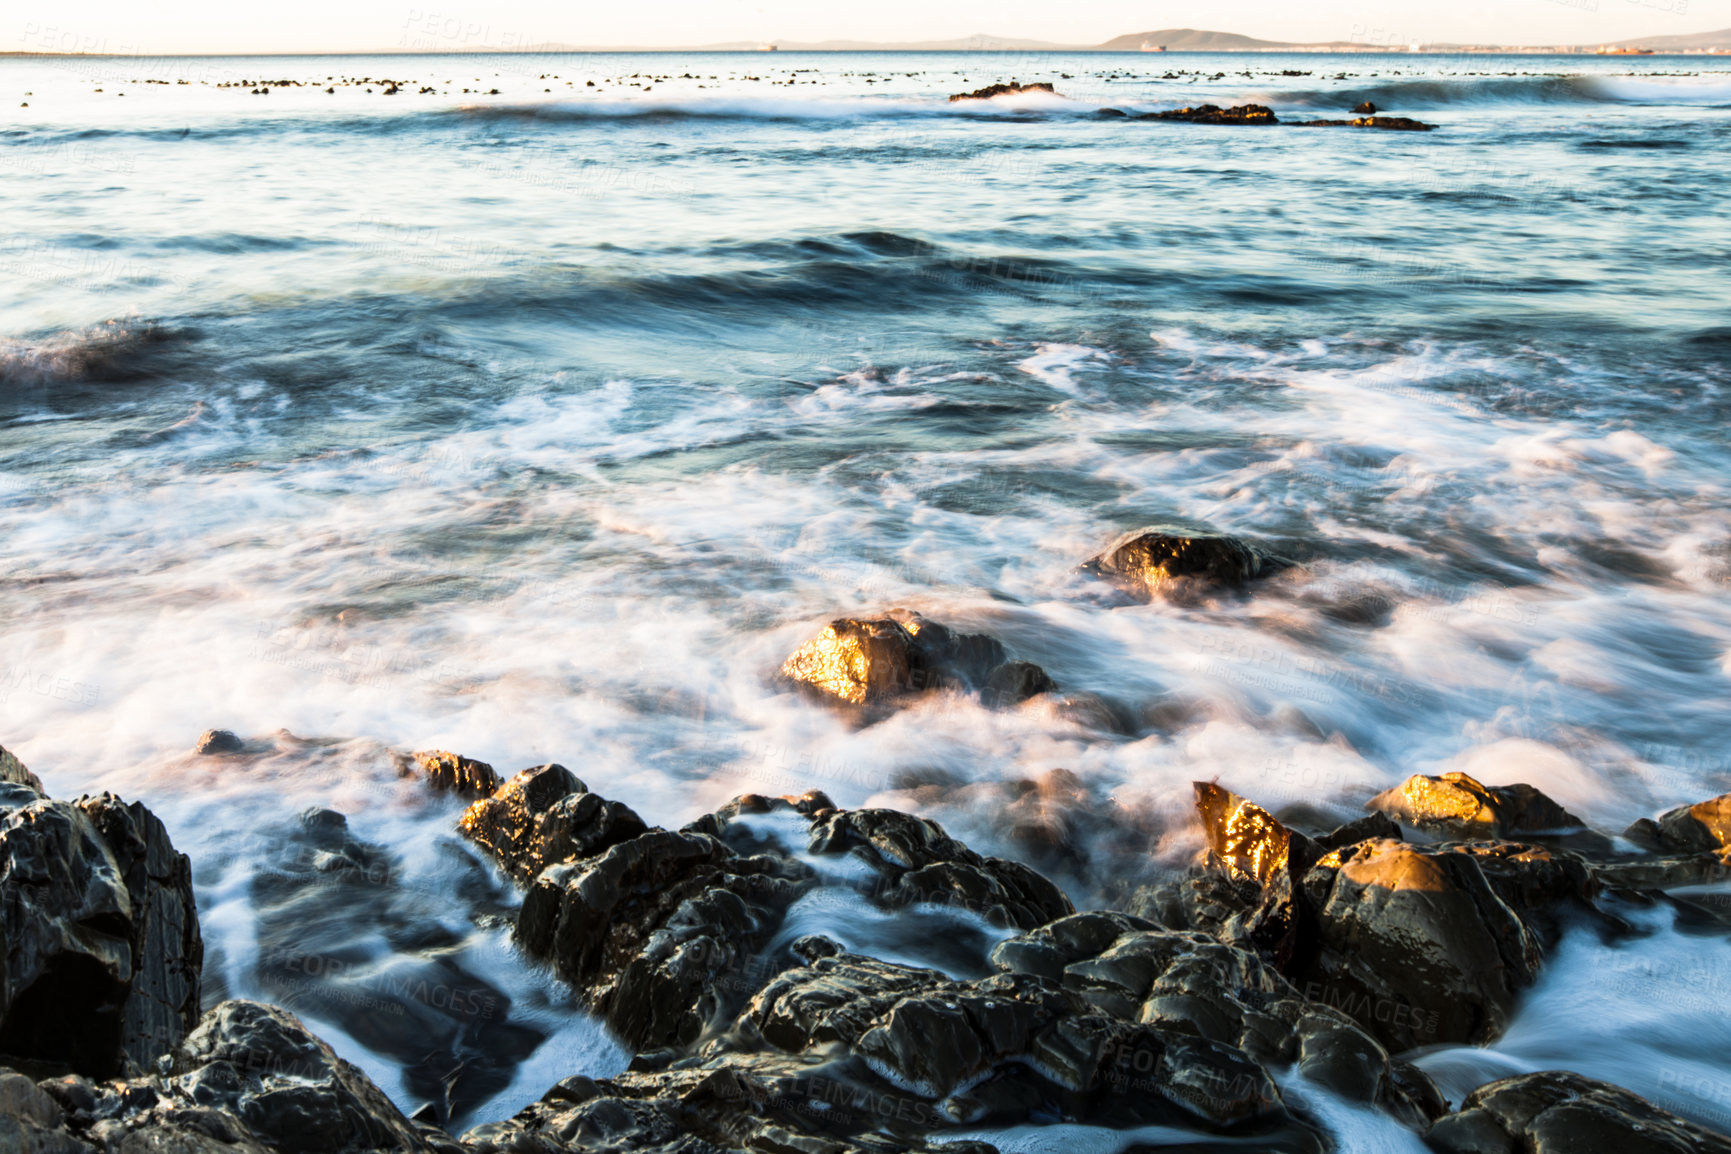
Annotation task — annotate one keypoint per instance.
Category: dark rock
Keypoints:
(1415, 944)
(341, 940)
(645, 930)
(1010, 89)
(249, 1079)
(213, 741)
(1153, 562)
(1014, 682)
(1257, 855)
(1704, 827)
(544, 816)
(1418, 944)
(102, 949)
(1370, 826)
(1455, 805)
(1395, 123)
(18, 786)
(1188, 982)
(1004, 1049)
(1112, 113)
(453, 773)
(916, 861)
(1365, 109)
(1556, 1112)
(1214, 114)
(875, 661)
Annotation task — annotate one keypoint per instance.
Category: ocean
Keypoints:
(541, 424)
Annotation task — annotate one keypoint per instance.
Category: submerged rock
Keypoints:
(1395, 123)
(875, 661)
(102, 947)
(1010, 89)
(1214, 114)
(341, 940)
(1557, 1112)
(1154, 562)
(1456, 805)
(214, 741)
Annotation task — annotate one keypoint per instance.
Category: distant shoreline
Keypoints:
(1439, 50)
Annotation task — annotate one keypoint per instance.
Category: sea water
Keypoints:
(542, 424)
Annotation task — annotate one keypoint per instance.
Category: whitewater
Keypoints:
(542, 423)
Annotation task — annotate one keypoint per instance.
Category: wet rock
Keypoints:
(1003, 1049)
(30, 1120)
(1154, 562)
(1455, 805)
(1556, 1112)
(102, 948)
(342, 941)
(1014, 682)
(250, 1078)
(1418, 944)
(1365, 109)
(1394, 123)
(1112, 114)
(1214, 114)
(916, 861)
(1704, 827)
(1188, 982)
(544, 816)
(18, 786)
(1257, 855)
(1372, 825)
(1010, 89)
(453, 773)
(214, 741)
(646, 930)
(875, 661)
(1415, 944)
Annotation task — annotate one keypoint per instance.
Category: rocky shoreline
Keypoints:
(1284, 960)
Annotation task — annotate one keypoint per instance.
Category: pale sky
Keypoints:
(170, 26)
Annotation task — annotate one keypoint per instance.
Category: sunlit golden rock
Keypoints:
(875, 660)
(454, 773)
(1704, 827)
(1245, 838)
(1459, 806)
(1151, 562)
(856, 661)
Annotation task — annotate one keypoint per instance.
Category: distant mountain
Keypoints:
(1191, 40)
(1689, 42)
(1172, 39)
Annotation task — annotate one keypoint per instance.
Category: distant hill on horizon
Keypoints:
(1197, 40)
(1172, 39)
